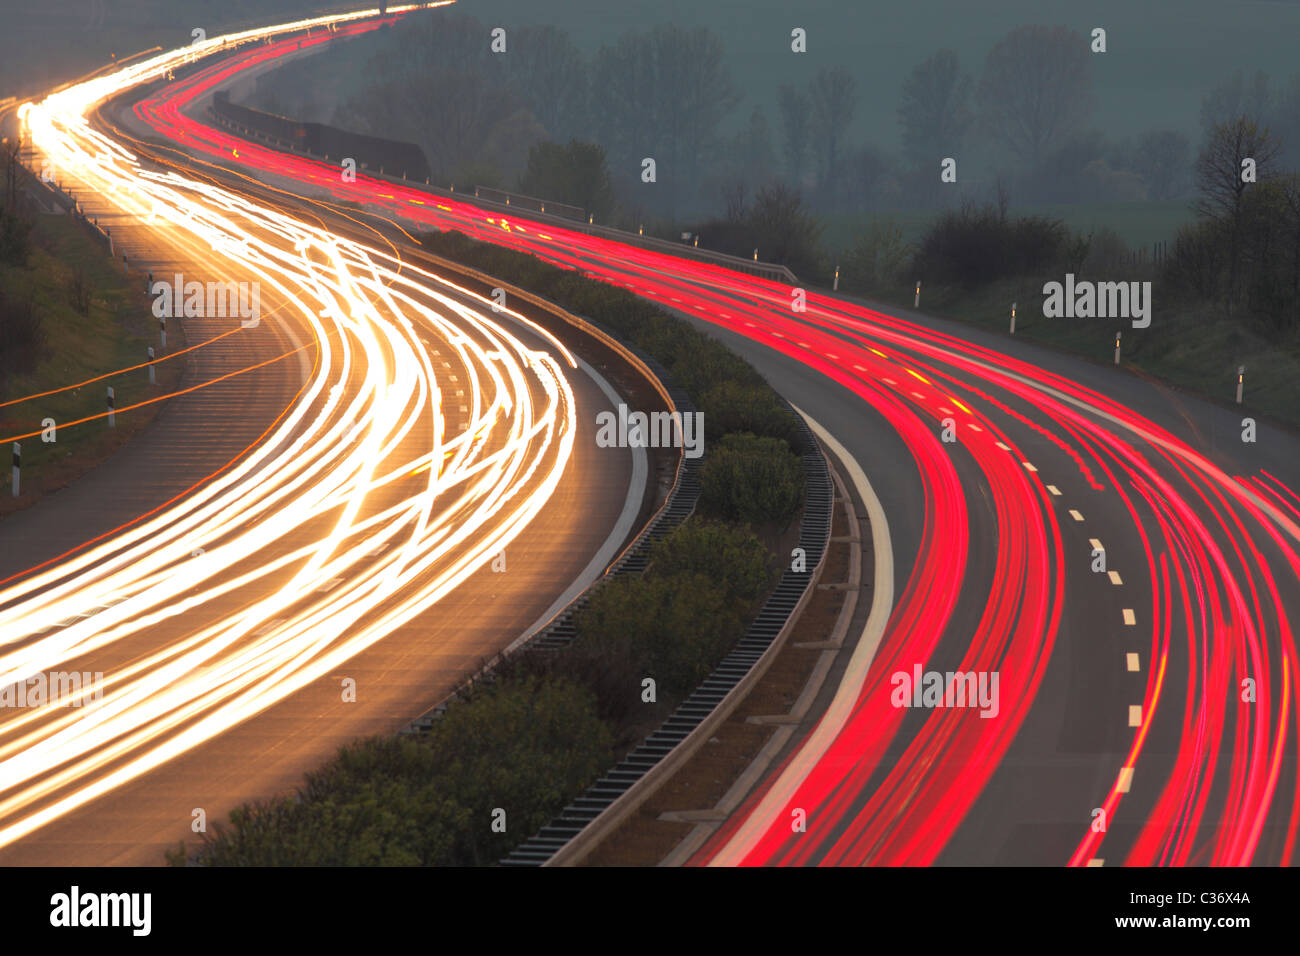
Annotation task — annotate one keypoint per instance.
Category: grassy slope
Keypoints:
(1138, 223)
(114, 334)
(1192, 349)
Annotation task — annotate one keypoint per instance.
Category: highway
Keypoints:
(1146, 711)
(298, 553)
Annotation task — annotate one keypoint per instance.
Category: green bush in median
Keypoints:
(750, 478)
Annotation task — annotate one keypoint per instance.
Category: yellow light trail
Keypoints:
(362, 510)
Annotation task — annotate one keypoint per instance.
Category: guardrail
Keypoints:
(757, 267)
(608, 802)
(68, 203)
(531, 203)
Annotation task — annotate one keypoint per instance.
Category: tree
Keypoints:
(1237, 97)
(1036, 89)
(934, 110)
(576, 174)
(833, 100)
(867, 173)
(783, 229)
(794, 131)
(1160, 158)
(437, 83)
(661, 94)
(548, 73)
(1221, 185)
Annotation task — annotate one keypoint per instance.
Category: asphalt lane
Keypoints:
(398, 678)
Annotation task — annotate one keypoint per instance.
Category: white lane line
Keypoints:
(1135, 715)
(1075, 515)
(1028, 466)
(1131, 660)
(1096, 544)
(846, 695)
(1097, 861)
(1054, 490)
(1125, 780)
(1115, 579)
(1130, 618)
(1004, 447)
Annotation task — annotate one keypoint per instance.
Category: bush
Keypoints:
(878, 260)
(1197, 258)
(731, 406)
(523, 746)
(703, 362)
(740, 563)
(749, 478)
(22, 340)
(673, 628)
(974, 245)
(15, 238)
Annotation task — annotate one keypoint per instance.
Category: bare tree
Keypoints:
(1237, 97)
(1161, 159)
(662, 95)
(783, 228)
(549, 74)
(1036, 88)
(935, 107)
(733, 195)
(833, 100)
(794, 130)
(1221, 182)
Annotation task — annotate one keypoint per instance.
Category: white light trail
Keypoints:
(360, 511)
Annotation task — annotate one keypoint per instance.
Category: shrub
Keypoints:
(730, 555)
(674, 628)
(879, 258)
(731, 406)
(22, 340)
(750, 478)
(976, 245)
(523, 746)
(15, 238)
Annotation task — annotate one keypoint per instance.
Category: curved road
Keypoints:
(1144, 712)
(351, 496)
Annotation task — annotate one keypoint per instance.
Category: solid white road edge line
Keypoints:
(837, 714)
